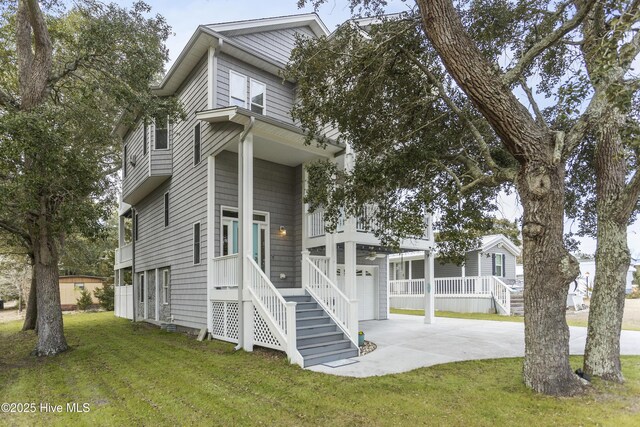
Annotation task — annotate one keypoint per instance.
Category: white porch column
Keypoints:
(245, 238)
(350, 286)
(429, 289)
(332, 253)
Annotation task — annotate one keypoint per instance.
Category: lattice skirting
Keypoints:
(225, 320)
(225, 325)
(262, 335)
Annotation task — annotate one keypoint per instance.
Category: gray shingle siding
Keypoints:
(135, 174)
(510, 263)
(274, 192)
(471, 264)
(276, 44)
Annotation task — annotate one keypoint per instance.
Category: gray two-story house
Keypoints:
(220, 236)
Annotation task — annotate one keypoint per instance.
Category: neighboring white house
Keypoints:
(481, 284)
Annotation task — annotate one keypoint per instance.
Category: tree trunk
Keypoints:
(548, 266)
(31, 316)
(602, 353)
(51, 338)
(548, 271)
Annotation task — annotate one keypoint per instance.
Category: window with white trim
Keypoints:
(196, 243)
(124, 162)
(141, 281)
(136, 226)
(498, 265)
(162, 133)
(237, 89)
(165, 286)
(145, 138)
(196, 145)
(257, 97)
(166, 209)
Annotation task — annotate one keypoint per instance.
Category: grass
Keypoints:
(496, 317)
(132, 374)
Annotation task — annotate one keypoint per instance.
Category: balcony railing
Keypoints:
(124, 254)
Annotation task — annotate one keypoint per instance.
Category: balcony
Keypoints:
(124, 257)
(361, 229)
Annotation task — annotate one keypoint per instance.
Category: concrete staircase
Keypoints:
(517, 304)
(319, 339)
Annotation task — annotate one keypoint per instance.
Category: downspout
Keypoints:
(243, 136)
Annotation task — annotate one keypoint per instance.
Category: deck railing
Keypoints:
(340, 308)
(225, 271)
(458, 287)
(279, 314)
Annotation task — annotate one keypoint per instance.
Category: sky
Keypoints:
(184, 16)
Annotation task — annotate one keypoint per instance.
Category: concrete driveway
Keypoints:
(406, 343)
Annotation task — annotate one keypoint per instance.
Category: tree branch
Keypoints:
(484, 147)
(8, 101)
(513, 74)
(630, 196)
(532, 101)
(24, 236)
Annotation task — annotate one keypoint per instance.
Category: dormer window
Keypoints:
(237, 89)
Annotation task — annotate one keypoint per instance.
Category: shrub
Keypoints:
(84, 301)
(105, 295)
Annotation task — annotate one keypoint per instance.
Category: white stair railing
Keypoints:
(280, 315)
(502, 296)
(341, 309)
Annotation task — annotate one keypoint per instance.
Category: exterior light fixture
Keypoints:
(283, 231)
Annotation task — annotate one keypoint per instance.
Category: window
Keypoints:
(498, 264)
(196, 145)
(135, 227)
(196, 243)
(162, 133)
(141, 281)
(78, 286)
(124, 162)
(145, 138)
(237, 89)
(166, 209)
(258, 92)
(165, 287)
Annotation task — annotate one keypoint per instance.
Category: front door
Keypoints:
(260, 237)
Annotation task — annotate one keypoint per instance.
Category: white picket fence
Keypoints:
(123, 301)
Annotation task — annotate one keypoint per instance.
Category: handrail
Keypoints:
(333, 301)
(279, 314)
(225, 271)
(501, 293)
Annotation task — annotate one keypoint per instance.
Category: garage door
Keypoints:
(366, 280)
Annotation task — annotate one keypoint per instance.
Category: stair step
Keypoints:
(301, 306)
(330, 356)
(321, 337)
(315, 329)
(311, 321)
(310, 349)
(311, 312)
(299, 298)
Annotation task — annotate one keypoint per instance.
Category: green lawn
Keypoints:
(497, 317)
(132, 374)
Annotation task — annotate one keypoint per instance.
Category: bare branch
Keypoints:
(513, 74)
(534, 104)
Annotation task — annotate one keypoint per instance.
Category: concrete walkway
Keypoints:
(406, 343)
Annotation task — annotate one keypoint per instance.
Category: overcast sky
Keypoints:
(185, 15)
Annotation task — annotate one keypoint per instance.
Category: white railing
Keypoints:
(458, 287)
(225, 271)
(322, 262)
(279, 314)
(124, 253)
(367, 220)
(501, 295)
(341, 309)
(406, 287)
(315, 223)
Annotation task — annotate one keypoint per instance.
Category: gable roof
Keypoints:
(496, 239)
(219, 36)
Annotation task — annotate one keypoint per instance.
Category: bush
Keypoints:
(84, 301)
(105, 295)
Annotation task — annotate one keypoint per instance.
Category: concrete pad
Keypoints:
(405, 343)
